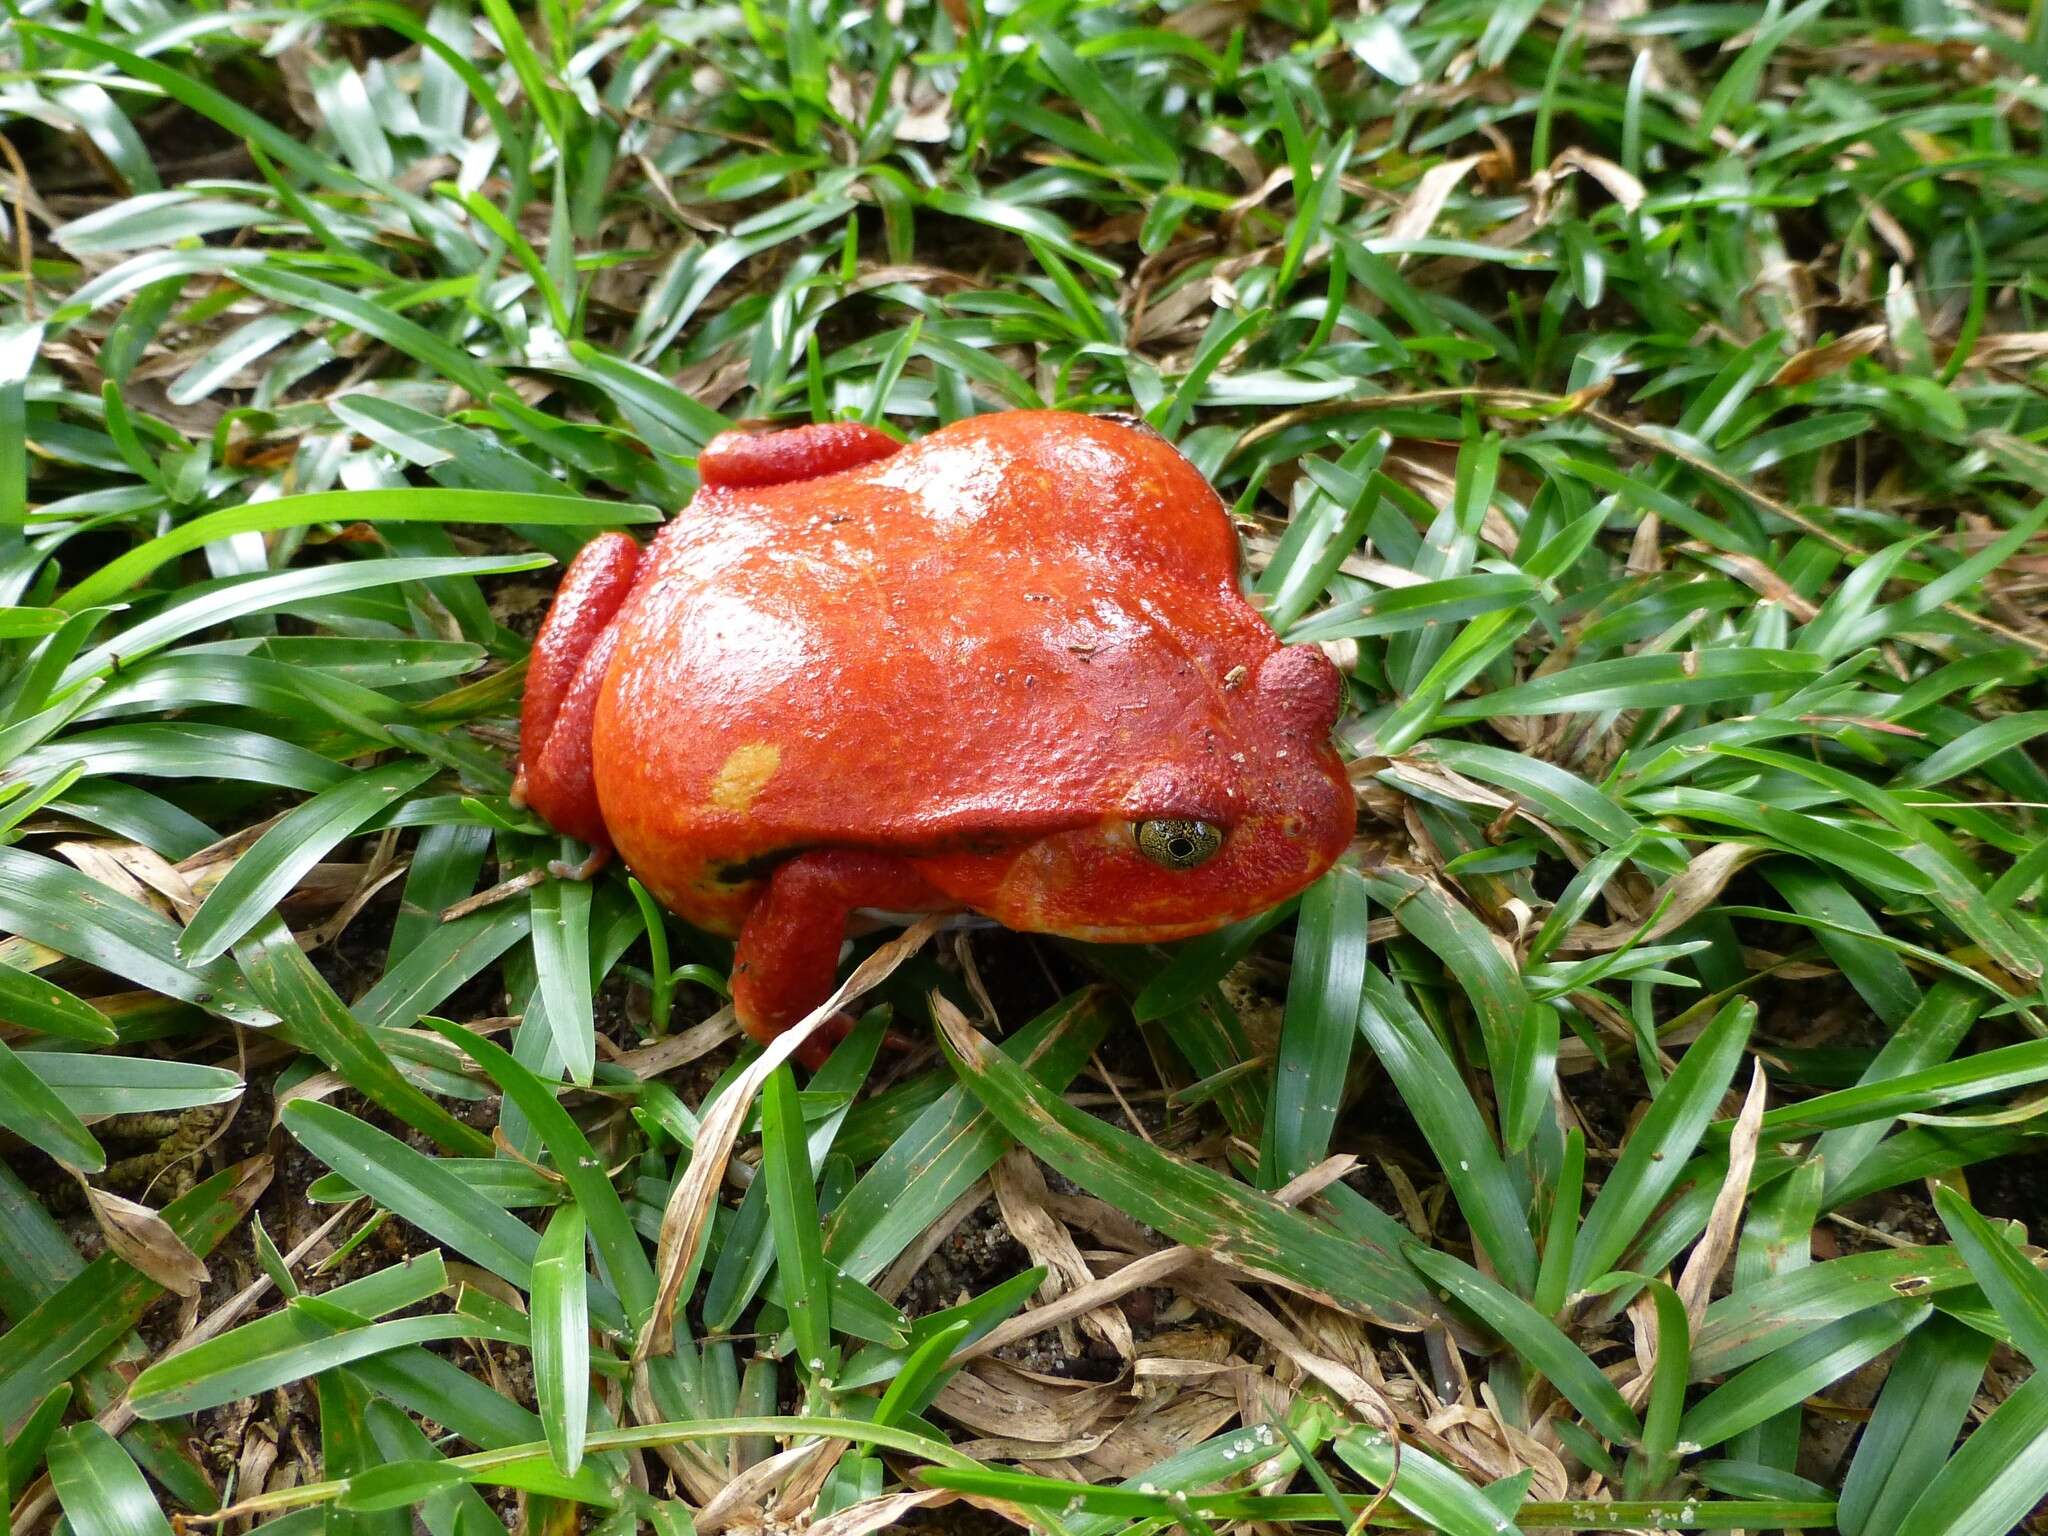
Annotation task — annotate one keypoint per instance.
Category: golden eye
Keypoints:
(1172, 843)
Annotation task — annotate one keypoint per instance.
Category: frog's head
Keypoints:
(1243, 804)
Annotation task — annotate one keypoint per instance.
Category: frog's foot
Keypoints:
(788, 954)
(742, 460)
(562, 869)
(570, 655)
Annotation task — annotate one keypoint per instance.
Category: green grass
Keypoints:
(1648, 412)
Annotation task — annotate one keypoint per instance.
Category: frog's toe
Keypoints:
(562, 869)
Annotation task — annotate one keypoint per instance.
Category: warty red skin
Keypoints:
(950, 675)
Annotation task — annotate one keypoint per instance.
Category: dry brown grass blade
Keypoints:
(1157, 1432)
(689, 1207)
(1617, 182)
(672, 1051)
(251, 1178)
(1153, 1269)
(1418, 212)
(689, 1462)
(989, 1448)
(504, 890)
(992, 1397)
(1021, 1196)
(2009, 349)
(1830, 357)
(896, 1279)
(140, 1237)
(740, 1504)
(804, 1483)
(1766, 583)
(313, 1089)
(1682, 898)
(1147, 1270)
(1429, 774)
(883, 1514)
(1711, 1252)
(24, 237)
(1239, 1225)
(374, 878)
(1217, 1289)
(96, 861)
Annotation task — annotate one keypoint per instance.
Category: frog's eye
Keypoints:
(1172, 843)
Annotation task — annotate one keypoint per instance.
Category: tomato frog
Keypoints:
(1005, 670)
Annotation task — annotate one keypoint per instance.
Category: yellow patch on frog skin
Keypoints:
(744, 775)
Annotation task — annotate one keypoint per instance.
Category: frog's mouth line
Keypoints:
(867, 919)
(759, 867)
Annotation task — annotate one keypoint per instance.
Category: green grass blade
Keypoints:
(103, 1493)
(1475, 963)
(284, 1346)
(1539, 1342)
(1422, 1485)
(793, 1218)
(33, 1003)
(561, 951)
(1198, 964)
(2000, 1473)
(619, 1248)
(1323, 992)
(1926, 1396)
(953, 1142)
(1798, 1371)
(415, 1186)
(1662, 1415)
(561, 1337)
(1655, 1155)
(269, 593)
(104, 1300)
(2013, 1286)
(1768, 1316)
(281, 976)
(51, 904)
(34, 1112)
(1435, 1093)
(410, 504)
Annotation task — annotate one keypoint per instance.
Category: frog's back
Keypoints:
(998, 632)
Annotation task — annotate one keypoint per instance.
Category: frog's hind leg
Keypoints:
(788, 954)
(746, 460)
(556, 776)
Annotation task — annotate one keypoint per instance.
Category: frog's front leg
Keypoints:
(556, 776)
(788, 953)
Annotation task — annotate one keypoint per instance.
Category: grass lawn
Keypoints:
(1641, 1128)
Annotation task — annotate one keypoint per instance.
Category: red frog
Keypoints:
(1006, 669)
